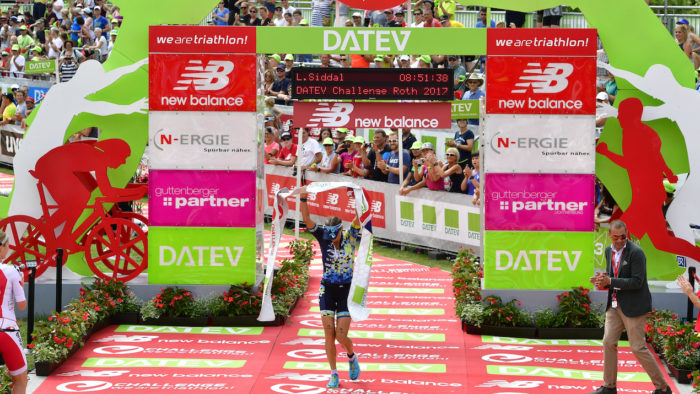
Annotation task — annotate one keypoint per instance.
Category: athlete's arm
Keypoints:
(304, 207)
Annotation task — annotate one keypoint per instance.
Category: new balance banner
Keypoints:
(541, 85)
(202, 140)
(537, 259)
(539, 202)
(201, 39)
(535, 144)
(541, 42)
(201, 256)
(201, 198)
(363, 261)
(373, 115)
(202, 82)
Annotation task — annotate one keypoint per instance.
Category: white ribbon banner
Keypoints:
(357, 299)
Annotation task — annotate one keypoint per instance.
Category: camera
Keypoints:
(294, 171)
(419, 162)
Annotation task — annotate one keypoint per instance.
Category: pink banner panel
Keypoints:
(201, 198)
(539, 202)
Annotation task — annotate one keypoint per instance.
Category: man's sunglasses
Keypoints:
(450, 154)
(618, 237)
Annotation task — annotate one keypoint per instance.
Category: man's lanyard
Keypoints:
(616, 262)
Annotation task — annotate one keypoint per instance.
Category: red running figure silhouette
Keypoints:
(646, 167)
(65, 172)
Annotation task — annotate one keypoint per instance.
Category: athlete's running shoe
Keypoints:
(354, 367)
(334, 382)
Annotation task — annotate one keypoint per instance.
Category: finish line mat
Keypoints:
(520, 365)
(412, 343)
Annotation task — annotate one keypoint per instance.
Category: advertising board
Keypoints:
(542, 42)
(539, 202)
(202, 82)
(373, 115)
(199, 140)
(534, 144)
(201, 39)
(540, 260)
(541, 85)
(202, 198)
(201, 256)
(437, 219)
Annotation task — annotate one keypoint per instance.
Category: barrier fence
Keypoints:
(432, 219)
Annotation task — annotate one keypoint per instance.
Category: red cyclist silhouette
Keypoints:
(641, 148)
(65, 172)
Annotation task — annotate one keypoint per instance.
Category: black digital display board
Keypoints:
(372, 83)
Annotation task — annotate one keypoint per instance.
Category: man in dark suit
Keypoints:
(629, 301)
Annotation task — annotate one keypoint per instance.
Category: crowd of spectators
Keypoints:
(16, 105)
(335, 151)
(70, 32)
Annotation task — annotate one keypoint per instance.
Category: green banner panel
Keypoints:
(201, 256)
(465, 109)
(348, 40)
(40, 66)
(537, 259)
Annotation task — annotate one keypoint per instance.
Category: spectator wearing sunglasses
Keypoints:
(417, 18)
(451, 172)
(288, 153)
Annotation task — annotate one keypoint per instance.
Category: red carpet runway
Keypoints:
(412, 343)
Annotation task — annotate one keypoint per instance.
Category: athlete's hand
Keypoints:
(673, 178)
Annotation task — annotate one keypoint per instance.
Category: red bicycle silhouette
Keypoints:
(114, 244)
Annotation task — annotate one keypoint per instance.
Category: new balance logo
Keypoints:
(213, 76)
(551, 79)
(331, 115)
(516, 384)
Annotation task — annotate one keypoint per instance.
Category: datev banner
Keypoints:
(201, 82)
(201, 256)
(373, 115)
(201, 198)
(539, 202)
(567, 146)
(437, 219)
(537, 260)
(197, 140)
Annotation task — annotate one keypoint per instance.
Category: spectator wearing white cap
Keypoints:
(404, 61)
(16, 62)
(100, 21)
(601, 116)
(357, 19)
